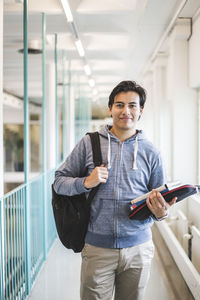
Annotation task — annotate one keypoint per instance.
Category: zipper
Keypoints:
(117, 198)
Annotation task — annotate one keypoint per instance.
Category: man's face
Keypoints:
(126, 110)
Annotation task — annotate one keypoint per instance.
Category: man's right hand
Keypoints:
(98, 175)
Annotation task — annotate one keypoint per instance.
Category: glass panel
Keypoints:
(35, 90)
(13, 113)
(82, 117)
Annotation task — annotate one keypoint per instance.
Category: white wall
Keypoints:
(194, 57)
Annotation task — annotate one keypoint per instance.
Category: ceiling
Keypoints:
(119, 37)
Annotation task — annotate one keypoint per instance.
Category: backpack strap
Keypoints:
(97, 159)
(96, 148)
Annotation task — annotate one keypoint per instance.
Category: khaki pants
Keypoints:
(124, 270)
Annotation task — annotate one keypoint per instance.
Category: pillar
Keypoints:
(183, 106)
(162, 113)
(147, 120)
(159, 96)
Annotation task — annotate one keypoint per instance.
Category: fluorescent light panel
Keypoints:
(67, 10)
(87, 70)
(79, 47)
(91, 83)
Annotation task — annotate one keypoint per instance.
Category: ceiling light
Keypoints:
(67, 10)
(79, 47)
(91, 82)
(87, 70)
(34, 47)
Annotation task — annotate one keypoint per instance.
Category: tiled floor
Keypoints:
(59, 278)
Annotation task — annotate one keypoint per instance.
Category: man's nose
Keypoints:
(126, 109)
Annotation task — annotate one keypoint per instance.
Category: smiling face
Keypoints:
(126, 111)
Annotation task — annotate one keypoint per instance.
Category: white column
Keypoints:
(162, 116)
(159, 96)
(50, 100)
(194, 74)
(183, 107)
(1, 100)
(147, 120)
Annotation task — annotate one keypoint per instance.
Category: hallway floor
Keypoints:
(59, 278)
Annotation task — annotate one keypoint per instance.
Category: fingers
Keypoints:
(157, 204)
(102, 174)
(156, 199)
(98, 175)
(173, 201)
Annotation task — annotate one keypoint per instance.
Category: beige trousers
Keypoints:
(123, 271)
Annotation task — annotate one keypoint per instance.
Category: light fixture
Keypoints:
(67, 10)
(91, 82)
(79, 47)
(87, 70)
(34, 47)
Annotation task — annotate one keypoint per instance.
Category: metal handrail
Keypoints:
(13, 254)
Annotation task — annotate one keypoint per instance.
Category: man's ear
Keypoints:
(110, 110)
(141, 112)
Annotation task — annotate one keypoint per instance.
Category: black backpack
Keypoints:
(72, 213)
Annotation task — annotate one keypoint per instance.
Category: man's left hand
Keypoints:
(157, 204)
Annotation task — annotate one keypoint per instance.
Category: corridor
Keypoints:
(59, 278)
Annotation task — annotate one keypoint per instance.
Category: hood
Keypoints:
(105, 132)
(106, 129)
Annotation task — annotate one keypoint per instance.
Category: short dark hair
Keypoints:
(128, 86)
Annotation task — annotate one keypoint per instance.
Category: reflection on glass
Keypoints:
(14, 147)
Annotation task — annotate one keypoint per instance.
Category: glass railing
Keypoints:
(27, 233)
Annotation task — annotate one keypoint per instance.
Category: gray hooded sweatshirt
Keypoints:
(134, 168)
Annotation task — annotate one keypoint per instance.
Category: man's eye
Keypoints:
(132, 105)
(119, 105)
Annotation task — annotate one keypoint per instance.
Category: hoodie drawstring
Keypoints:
(108, 155)
(135, 154)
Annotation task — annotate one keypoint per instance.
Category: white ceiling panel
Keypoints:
(102, 41)
(106, 79)
(101, 64)
(91, 6)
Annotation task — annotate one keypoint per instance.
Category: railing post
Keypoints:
(26, 151)
(44, 163)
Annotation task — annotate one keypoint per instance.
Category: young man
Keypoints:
(118, 251)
